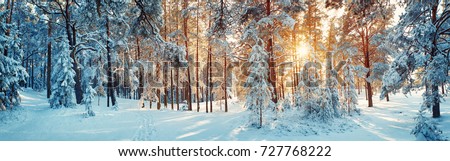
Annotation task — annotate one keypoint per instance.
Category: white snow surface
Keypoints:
(35, 120)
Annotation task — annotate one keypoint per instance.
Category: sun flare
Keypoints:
(302, 50)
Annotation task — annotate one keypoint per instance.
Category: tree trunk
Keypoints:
(141, 72)
(10, 7)
(443, 88)
(272, 64)
(436, 105)
(165, 70)
(387, 97)
(197, 65)
(158, 90)
(260, 116)
(367, 65)
(32, 73)
(110, 90)
(177, 93)
(435, 86)
(166, 65)
(222, 8)
(171, 87)
(210, 82)
(177, 68)
(225, 83)
(185, 28)
(49, 59)
(207, 79)
(210, 86)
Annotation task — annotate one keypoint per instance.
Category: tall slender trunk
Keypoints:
(222, 18)
(367, 65)
(225, 83)
(109, 72)
(272, 64)
(207, 78)
(185, 28)
(209, 75)
(260, 116)
(32, 73)
(10, 7)
(177, 93)
(49, 59)
(165, 69)
(171, 88)
(166, 65)
(177, 68)
(211, 84)
(158, 91)
(435, 86)
(141, 72)
(197, 65)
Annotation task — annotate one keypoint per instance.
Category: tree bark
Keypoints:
(32, 73)
(197, 65)
(49, 59)
(10, 7)
(185, 28)
(207, 78)
(367, 65)
(222, 17)
(141, 72)
(272, 74)
(177, 93)
(109, 72)
(171, 88)
(210, 81)
(434, 85)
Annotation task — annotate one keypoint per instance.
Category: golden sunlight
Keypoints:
(303, 50)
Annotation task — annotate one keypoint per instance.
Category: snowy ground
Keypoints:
(36, 121)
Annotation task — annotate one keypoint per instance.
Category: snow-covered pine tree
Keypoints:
(324, 112)
(11, 70)
(425, 129)
(89, 95)
(310, 92)
(422, 34)
(62, 80)
(331, 87)
(259, 89)
(350, 96)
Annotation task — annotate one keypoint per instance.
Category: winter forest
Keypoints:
(224, 70)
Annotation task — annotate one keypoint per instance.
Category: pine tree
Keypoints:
(364, 20)
(259, 90)
(89, 95)
(425, 129)
(350, 97)
(422, 48)
(63, 80)
(11, 70)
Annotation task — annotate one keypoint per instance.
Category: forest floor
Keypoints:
(36, 121)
